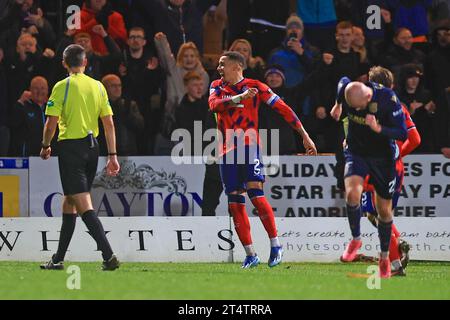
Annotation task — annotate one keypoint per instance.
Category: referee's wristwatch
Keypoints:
(43, 146)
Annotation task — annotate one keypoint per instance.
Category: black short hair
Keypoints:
(237, 57)
(74, 55)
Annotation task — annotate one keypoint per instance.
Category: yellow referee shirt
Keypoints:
(78, 101)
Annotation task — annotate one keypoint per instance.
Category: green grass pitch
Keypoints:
(206, 281)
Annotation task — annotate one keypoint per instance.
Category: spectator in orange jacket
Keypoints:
(99, 12)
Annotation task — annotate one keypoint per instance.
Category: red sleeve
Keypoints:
(116, 28)
(277, 104)
(413, 140)
(216, 103)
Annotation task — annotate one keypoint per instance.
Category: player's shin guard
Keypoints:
(354, 219)
(384, 233)
(265, 211)
(236, 205)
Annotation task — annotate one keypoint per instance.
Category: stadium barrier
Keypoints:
(212, 239)
(297, 187)
(14, 187)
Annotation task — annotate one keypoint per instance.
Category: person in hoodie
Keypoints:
(437, 76)
(296, 56)
(99, 12)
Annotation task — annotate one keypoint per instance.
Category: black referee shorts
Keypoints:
(77, 160)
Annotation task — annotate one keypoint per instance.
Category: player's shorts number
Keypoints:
(256, 168)
(392, 186)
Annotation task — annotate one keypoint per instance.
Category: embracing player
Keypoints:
(236, 101)
(398, 249)
(376, 121)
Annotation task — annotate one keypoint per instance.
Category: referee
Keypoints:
(75, 105)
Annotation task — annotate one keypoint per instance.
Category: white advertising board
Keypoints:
(300, 187)
(212, 239)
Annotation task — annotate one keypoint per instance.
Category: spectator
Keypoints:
(440, 11)
(28, 119)
(437, 67)
(262, 22)
(412, 15)
(336, 63)
(180, 20)
(4, 130)
(319, 17)
(295, 55)
(96, 13)
(359, 46)
(26, 16)
(142, 81)
(340, 61)
(99, 65)
(437, 73)
(139, 69)
(377, 36)
(188, 59)
(269, 119)
(193, 107)
(255, 65)
(419, 102)
(128, 120)
(26, 63)
(401, 52)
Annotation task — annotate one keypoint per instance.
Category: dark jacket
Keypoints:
(190, 111)
(11, 26)
(128, 123)
(140, 83)
(425, 121)
(396, 56)
(100, 65)
(296, 67)
(26, 125)
(269, 119)
(20, 73)
(179, 24)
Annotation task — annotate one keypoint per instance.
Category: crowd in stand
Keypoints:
(149, 54)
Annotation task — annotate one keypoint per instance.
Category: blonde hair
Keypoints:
(252, 61)
(187, 46)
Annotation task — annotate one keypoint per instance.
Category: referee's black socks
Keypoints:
(97, 232)
(67, 228)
